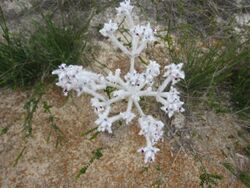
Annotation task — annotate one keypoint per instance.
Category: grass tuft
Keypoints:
(209, 180)
(26, 60)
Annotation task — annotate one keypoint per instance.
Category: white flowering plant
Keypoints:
(131, 87)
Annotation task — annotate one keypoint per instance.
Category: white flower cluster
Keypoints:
(109, 28)
(132, 87)
(74, 77)
(146, 33)
(125, 8)
(152, 130)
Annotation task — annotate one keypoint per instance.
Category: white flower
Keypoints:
(125, 8)
(127, 116)
(148, 34)
(114, 77)
(109, 28)
(153, 68)
(149, 153)
(75, 78)
(134, 78)
(171, 102)
(171, 96)
(98, 105)
(104, 123)
(138, 30)
(150, 128)
(172, 108)
(67, 77)
(175, 72)
(152, 71)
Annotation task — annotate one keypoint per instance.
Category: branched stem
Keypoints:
(132, 64)
(130, 105)
(130, 21)
(94, 94)
(119, 44)
(164, 84)
(117, 99)
(138, 108)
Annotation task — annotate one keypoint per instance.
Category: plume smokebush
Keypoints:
(132, 87)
